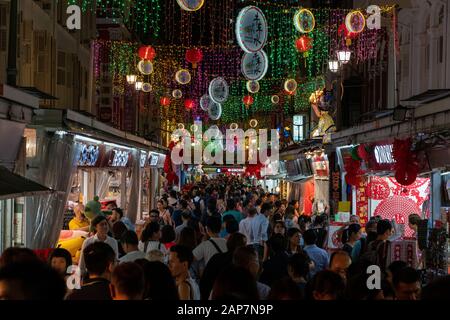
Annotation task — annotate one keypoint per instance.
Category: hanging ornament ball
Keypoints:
(180, 126)
(253, 86)
(146, 87)
(248, 100)
(234, 126)
(145, 67)
(290, 85)
(194, 128)
(194, 56)
(253, 123)
(189, 103)
(177, 94)
(147, 53)
(183, 76)
(355, 21)
(190, 5)
(164, 101)
(303, 44)
(205, 102)
(304, 21)
(275, 99)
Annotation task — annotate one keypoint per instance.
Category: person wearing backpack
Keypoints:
(150, 239)
(377, 250)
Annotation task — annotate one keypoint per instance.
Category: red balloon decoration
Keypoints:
(147, 53)
(189, 103)
(248, 100)
(194, 56)
(164, 101)
(303, 44)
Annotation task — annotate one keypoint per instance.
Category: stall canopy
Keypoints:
(12, 186)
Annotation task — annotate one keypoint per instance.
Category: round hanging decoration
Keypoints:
(194, 128)
(180, 126)
(290, 85)
(251, 29)
(275, 99)
(218, 90)
(248, 100)
(215, 131)
(253, 123)
(189, 103)
(194, 56)
(254, 65)
(205, 101)
(304, 44)
(147, 53)
(164, 101)
(190, 5)
(253, 86)
(177, 94)
(304, 21)
(234, 126)
(214, 111)
(145, 67)
(146, 87)
(183, 76)
(355, 22)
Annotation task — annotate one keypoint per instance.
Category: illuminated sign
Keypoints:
(120, 158)
(153, 160)
(143, 158)
(89, 155)
(383, 154)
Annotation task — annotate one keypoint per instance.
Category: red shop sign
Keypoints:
(381, 157)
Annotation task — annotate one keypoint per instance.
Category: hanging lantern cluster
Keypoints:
(147, 54)
(194, 56)
(304, 22)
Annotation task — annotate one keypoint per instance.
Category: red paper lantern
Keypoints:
(147, 53)
(303, 44)
(164, 101)
(342, 30)
(248, 100)
(189, 103)
(194, 56)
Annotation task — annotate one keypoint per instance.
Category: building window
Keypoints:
(3, 26)
(61, 75)
(298, 127)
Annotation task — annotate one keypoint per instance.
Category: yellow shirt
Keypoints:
(75, 224)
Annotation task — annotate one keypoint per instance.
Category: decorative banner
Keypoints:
(183, 76)
(362, 201)
(214, 111)
(146, 87)
(304, 21)
(355, 21)
(218, 90)
(254, 65)
(251, 29)
(190, 5)
(253, 86)
(145, 67)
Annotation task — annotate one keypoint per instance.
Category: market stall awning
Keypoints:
(13, 185)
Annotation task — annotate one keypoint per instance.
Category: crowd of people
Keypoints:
(219, 239)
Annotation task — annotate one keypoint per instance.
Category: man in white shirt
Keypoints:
(100, 224)
(260, 226)
(129, 242)
(245, 226)
(205, 250)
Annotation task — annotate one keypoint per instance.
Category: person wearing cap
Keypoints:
(100, 225)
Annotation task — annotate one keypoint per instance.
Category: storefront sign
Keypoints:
(120, 158)
(89, 155)
(383, 154)
(362, 201)
(335, 188)
(143, 158)
(153, 160)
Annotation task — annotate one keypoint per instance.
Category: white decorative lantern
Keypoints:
(138, 85)
(333, 65)
(344, 56)
(131, 78)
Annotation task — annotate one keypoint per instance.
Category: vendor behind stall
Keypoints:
(79, 222)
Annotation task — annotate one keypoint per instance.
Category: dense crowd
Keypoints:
(219, 239)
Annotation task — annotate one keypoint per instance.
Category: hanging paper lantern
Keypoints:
(248, 100)
(303, 45)
(177, 94)
(164, 101)
(275, 99)
(194, 56)
(190, 5)
(189, 103)
(147, 53)
(290, 85)
(253, 86)
(183, 76)
(146, 87)
(145, 67)
(304, 21)
(355, 21)
(253, 123)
